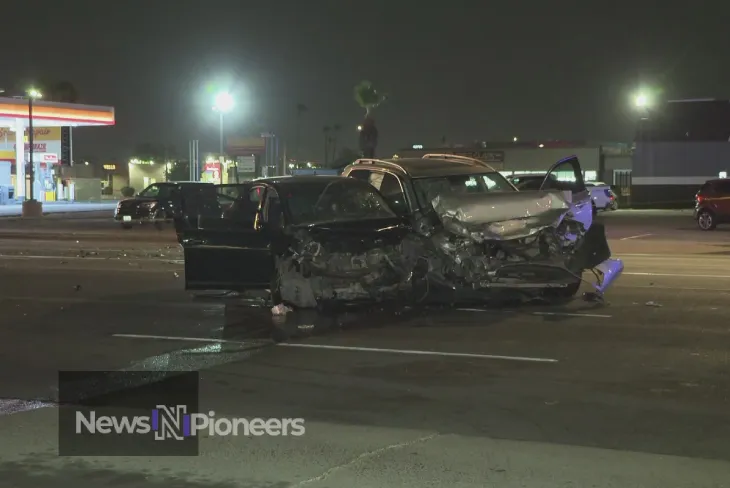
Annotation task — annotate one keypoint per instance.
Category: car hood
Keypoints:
(503, 215)
(355, 236)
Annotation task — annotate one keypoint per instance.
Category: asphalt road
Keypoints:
(633, 392)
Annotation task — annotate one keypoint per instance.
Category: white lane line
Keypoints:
(93, 258)
(561, 314)
(697, 288)
(349, 348)
(636, 237)
(9, 406)
(676, 275)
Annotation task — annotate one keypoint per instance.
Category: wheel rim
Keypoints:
(705, 221)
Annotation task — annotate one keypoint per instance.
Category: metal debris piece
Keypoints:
(653, 304)
(175, 275)
(280, 309)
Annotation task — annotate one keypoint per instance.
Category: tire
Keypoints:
(706, 220)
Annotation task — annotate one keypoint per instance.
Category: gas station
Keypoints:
(52, 124)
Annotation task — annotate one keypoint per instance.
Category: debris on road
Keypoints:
(280, 309)
(77, 287)
(175, 275)
(653, 304)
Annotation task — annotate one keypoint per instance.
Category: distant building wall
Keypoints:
(143, 175)
(670, 173)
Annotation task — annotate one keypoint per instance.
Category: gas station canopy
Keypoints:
(14, 113)
(15, 118)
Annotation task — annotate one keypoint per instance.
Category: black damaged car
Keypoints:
(307, 239)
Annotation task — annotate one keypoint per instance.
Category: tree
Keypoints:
(369, 98)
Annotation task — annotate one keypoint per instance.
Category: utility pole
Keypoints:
(31, 173)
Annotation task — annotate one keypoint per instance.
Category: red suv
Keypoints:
(712, 204)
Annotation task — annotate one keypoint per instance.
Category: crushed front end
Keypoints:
(345, 264)
(527, 243)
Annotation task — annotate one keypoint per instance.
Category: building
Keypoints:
(680, 145)
(52, 144)
(607, 162)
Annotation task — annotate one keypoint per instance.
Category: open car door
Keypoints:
(224, 246)
(567, 176)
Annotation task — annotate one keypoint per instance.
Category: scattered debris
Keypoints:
(77, 287)
(64, 262)
(653, 304)
(175, 274)
(551, 402)
(280, 309)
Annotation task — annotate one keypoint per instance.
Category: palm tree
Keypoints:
(326, 130)
(368, 97)
(301, 110)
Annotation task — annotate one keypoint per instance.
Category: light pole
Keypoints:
(32, 93)
(223, 104)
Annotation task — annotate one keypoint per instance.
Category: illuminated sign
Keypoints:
(110, 167)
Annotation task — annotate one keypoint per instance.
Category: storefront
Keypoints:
(52, 128)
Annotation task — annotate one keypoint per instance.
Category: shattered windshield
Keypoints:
(335, 201)
(430, 188)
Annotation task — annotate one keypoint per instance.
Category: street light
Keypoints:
(641, 100)
(32, 93)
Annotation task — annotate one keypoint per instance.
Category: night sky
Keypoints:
(465, 70)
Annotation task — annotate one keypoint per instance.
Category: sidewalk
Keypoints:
(14, 210)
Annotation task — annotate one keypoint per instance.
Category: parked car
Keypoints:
(156, 204)
(603, 196)
(712, 204)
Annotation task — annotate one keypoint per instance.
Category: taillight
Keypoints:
(699, 198)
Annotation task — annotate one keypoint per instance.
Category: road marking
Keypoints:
(677, 275)
(636, 237)
(592, 315)
(346, 348)
(93, 258)
(697, 288)
(140, 303)
(9, 406)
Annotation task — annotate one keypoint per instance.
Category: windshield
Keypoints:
(430, 188)
(338, 200)
(156, 191)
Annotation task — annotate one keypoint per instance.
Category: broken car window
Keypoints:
(430, 188)
(337, 201)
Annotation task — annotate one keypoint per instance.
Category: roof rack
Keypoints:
(380, 161)
(458, 159)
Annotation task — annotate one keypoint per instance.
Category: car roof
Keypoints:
(426, 167)
(289, 180)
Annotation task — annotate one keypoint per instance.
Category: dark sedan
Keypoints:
(157, 204)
